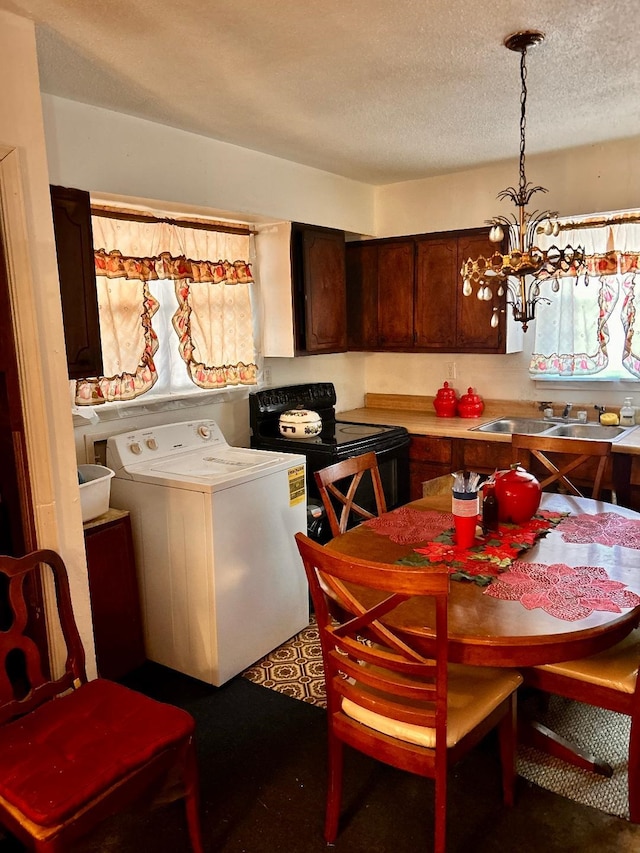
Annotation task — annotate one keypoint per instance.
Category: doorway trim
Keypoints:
(40, 504)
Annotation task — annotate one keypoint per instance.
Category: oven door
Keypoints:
(394, 473)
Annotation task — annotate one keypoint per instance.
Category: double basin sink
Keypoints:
(554, 427)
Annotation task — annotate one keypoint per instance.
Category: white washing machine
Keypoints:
(221, 580)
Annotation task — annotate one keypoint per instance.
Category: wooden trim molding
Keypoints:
(40, 524)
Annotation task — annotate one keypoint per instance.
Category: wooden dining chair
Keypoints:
(561, 457)
(416, 713)
(73, 751)
(338, 485)
(606, 680)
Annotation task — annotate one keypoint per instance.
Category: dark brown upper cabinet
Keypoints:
(76, 271)
(405, 295)
(319, 289)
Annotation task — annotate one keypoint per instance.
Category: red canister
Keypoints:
(470, 405)
(445, 402)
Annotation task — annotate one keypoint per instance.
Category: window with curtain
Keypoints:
(588, 329)
(176, 308)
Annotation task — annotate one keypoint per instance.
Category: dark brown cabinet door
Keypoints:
(115, 600)
(74, 247)
(473, 316)
(428, 458)
(420, 305)
(362, 295)
(395, 294)
(320, 293)
(436, 282)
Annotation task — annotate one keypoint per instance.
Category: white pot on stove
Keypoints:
(300, 423)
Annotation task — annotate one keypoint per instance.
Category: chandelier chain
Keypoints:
(523, 125)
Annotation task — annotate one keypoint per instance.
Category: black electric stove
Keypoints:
(337, 440)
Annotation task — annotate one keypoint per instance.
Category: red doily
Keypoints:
(406, 525)
(566, 592)
(605, 528)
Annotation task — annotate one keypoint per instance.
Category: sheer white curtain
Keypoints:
(148, 272)
(627, 239)
(579, 332)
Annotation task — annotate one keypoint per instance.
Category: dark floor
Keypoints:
(262, 771)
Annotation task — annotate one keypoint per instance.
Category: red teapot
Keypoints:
(518, 494)
(445, 402)
(470, 405)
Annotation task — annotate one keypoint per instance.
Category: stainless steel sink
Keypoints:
(528, 426)
(594, 431)
(553, 428)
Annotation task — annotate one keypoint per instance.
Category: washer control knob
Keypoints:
(204, 431)
(151, 443)
(135, 448)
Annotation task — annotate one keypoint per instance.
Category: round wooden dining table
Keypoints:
(489, 631)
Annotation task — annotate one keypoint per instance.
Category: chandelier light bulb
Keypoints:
(548, 228)
(496, 235)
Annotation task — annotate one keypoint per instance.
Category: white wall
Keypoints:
(595, 178)
(106, 152)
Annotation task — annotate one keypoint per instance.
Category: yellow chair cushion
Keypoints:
(473, 693)
(615, 668)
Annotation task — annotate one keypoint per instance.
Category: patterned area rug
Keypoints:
(295, 669)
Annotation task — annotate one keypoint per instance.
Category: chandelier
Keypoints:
(520, 270)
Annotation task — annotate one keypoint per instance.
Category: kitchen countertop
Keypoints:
(418, 416)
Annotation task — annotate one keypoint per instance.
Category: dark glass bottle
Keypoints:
(489, 508)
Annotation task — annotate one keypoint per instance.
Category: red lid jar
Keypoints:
(470, 405)
(518, 494)
(445, 402)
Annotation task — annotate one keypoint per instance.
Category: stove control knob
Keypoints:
(135, 448)
(204, 431)
(151, 443)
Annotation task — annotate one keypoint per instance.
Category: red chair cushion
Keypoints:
(69, 750)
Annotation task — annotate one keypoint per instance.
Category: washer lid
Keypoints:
(209, 469)
(216, 462)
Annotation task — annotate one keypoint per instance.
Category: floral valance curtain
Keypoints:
(213, 320)
(572, 332)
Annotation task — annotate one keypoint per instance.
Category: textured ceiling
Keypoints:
(376, 90)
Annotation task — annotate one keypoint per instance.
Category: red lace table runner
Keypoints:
(604, 528)
(406, 525)
(490, 555)
(566, 592)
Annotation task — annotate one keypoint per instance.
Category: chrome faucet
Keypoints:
(567, 410)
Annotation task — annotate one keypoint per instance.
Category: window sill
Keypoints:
(84, 415)
(590, 382)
